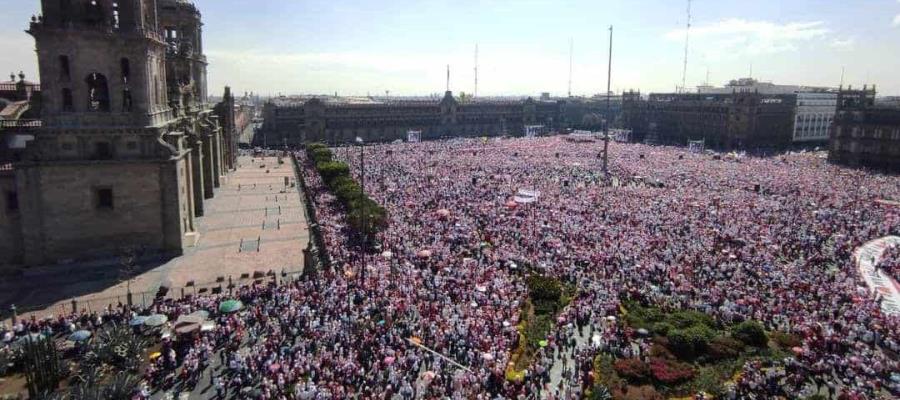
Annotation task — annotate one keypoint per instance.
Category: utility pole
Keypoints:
(608, 107)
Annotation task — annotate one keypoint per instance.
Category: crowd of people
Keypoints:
(890, 262)
(430, 310)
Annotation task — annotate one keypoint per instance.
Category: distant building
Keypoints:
(771, 116)
(734, 120)
(20, 106)
(340, 120)
(814, 115)
(753, 85)
(865, 134)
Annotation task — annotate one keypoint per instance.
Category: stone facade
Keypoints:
(126, 136)
(738, 120)
(865, 134)
(331, 121)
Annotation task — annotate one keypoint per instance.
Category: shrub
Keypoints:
(751, 333)
(662, 328)
(659, 350)
(670, 372)
(637, 393)
(542, 288)
(785, 340)
(724, 347)
(691, 342)
(688, 318)
(632, 369)
(600, 392)
(711, 380)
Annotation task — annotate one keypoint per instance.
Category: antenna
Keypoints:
(751, 70)
(707, 76)
(571, 52)
(687, 37)
(476, 71)
(448, 77)
(842, 77)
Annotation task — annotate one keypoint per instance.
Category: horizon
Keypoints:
(360, 49)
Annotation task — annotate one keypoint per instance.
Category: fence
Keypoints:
(316, 254)
(145, 299)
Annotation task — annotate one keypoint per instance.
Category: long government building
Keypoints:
(294, 121)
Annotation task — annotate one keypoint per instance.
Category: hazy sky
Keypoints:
(369, 46)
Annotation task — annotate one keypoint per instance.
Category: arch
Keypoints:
(98, 92)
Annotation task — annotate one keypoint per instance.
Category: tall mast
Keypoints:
(687, 37)
(571, 53)
(476, 71)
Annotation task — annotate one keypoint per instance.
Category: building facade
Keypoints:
(865, 134)
(339, 120)
(814, 115)
(128, 148)
(737, 120)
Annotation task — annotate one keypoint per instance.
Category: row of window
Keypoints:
(103, 200)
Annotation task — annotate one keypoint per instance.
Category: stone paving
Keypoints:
(253, 224)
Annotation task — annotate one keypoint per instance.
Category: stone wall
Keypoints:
(10, 222)
(65, 219)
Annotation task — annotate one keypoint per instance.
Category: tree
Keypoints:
(332, 170)
(127, 269)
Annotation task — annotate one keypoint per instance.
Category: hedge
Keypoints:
(364, 215)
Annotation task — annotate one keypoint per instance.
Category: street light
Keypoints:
(365, 228)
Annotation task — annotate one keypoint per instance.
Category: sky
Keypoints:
(360, 47)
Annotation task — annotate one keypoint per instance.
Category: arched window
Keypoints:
(98, 93)
(67, 105)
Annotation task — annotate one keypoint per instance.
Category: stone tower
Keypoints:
(111, 166)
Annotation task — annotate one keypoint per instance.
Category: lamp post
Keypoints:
(365, 228)
(608, 114)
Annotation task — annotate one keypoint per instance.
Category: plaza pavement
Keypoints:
(253, 224)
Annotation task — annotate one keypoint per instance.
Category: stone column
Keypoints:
(217, 157)
(196, 162)
(208, 166)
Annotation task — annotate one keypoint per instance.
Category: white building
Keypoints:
(815, 112)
